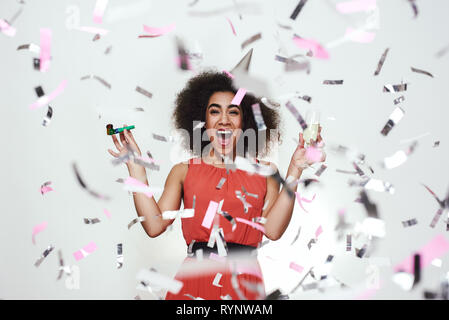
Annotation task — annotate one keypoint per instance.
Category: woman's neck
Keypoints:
(216, 158)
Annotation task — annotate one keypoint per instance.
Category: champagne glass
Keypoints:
(313, 124)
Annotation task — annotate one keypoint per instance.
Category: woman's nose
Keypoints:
(224, 119)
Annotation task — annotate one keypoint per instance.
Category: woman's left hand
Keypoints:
(304, 157)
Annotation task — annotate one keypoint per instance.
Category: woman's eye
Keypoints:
(234, 112)
(213, 111)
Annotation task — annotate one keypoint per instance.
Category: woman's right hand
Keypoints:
(127, 140)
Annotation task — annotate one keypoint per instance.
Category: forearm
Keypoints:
(279, 216)
(146, 207)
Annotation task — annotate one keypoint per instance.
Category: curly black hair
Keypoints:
(192, 101)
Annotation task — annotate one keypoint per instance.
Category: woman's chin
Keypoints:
(224, 150)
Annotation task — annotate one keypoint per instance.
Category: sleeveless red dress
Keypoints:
(202, 180)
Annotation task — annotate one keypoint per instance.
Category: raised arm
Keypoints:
(146, 207)
(280, 207)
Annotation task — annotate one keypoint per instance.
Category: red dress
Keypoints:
(201, 180)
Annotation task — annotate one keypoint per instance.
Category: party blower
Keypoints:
(110, 129)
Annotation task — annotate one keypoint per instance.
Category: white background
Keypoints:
(352, 115)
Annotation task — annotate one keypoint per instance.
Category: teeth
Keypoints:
(225, 133)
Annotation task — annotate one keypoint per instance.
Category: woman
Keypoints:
(207, 97)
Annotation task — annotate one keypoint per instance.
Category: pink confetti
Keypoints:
(248, 269)
(85, 251)
(251, 223)
(107, 213)
(38, 228)
(101, 32)
(228, 74)
(136, 183)
(312, 45)
(46, 188)
(210, 214)
(45, 45)
(360, 36)
(100, 7)
(156, 32)
(44, 100)
(356, 6)
(436, 248)
(238, 96)
(7, 29)
(300, 200)
(178, 61)
(318, 231)
(216, 257)
(232, 27)
(368, 293)
(313, 154)
(296, 267)
(341, 212)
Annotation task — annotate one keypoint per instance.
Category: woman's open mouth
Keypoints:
(224, 136)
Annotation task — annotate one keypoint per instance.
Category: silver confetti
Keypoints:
(422, 72)
(147, 164)
(229, 218)
(436, 144)
(62, 268)
(395, 87)
(377, 185)
(250, 194)
(91, 221)
(298, 9)
(144, 92)
(320, 170)
(395, 117)
(162, 138)
(302, 280)
(297, 236)
(312, 241)
(44, 255)
(119, 255)
(414, 7)
(399, 100)
(310, 286)
(381, 62)
(84, 186)
(265, 205)
(30, 47)
(135, 220)
(241, 197)
(261, 220)
(361, 252)
(333, 82)
(101, 80)
(192, 297)
(47, 118)
(436, 218)
(348, 242)
(108, 50)
(296, 114)
(235, 282)
(251, 40)
(442, 52)
(409, 223)
(220, 183)
(270, 103)
(258, 117)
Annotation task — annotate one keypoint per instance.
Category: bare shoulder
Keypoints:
(179, 171)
